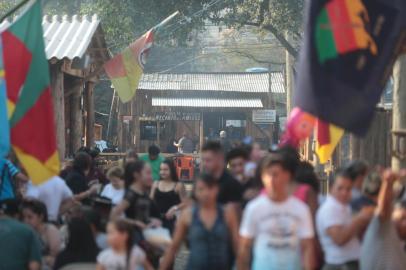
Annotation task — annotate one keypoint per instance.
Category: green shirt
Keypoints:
(155, 165)
(19, 245)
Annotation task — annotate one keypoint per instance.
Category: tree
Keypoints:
(276, 16)
(125, 20)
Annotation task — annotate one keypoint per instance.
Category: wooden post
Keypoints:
(76, 124)
(399, 104)
(89, 114)
(58, 98)
(120, 126)
(355, 147)
(136, 124)
(158, 133)
(201, 131)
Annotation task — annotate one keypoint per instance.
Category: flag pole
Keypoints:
(164, 22)
(14, 9)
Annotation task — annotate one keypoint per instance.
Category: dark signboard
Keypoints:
(177, 116)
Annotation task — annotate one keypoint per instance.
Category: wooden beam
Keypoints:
(57, 89)
(90, 114)
(76, 124)
(201, 132)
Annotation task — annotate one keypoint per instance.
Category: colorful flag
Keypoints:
(4, 126)
(348, 53)
(29, 95)
(327, 138)
(125, 69)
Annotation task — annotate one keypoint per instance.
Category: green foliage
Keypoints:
(276, 16)
(125, 20)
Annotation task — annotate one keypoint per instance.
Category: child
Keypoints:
(115, 189)
(122, 254)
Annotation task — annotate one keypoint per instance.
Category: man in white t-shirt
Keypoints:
(276, 225)
(337, 229)
(53, 193)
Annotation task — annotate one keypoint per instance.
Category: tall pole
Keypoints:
(399, 104)
(289, 78)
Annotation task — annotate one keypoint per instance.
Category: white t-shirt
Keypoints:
(277, 228)
(334, 213)
(110, 260)
(116, 195)
(52, 193)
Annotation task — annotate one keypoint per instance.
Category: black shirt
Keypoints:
(141, 208)
(230, 189)
(76, 181)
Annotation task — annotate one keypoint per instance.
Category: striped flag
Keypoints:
(327, 138)
(29, 95)
(348, 52)
(125, 69)
(4, 125)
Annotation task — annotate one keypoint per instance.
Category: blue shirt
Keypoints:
(7, 172)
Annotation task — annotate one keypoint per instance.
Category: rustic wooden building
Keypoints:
(200, 104)
(76, 50)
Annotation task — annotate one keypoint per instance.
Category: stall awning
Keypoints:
(207, 102)
(245, 82)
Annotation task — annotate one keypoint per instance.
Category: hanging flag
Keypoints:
(29, 95)
(4, 126)
(125, 69)
(349, 50)
(327, 138)
(300, 125)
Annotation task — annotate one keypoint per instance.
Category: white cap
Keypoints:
(223, 134)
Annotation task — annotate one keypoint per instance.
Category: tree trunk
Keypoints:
(399, 104)
(286, 43)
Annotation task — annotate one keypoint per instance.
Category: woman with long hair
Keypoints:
(35, 214)
(138, 208)
(122, 254)
(209, 228)
(168, 194)
(81, 246)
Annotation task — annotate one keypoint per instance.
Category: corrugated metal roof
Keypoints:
(65, 36)
(207, 102)
(68, 37)
(233, 82)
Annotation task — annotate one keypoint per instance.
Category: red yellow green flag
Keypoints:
(125, 69)
(340, 29)
(327, 138)
(29, 95)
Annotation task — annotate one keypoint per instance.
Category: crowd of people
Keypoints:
(248, 209)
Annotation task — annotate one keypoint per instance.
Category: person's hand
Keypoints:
(94, 189)
(367, 213)
(171, 213)
(389, 176)
(155, 223)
